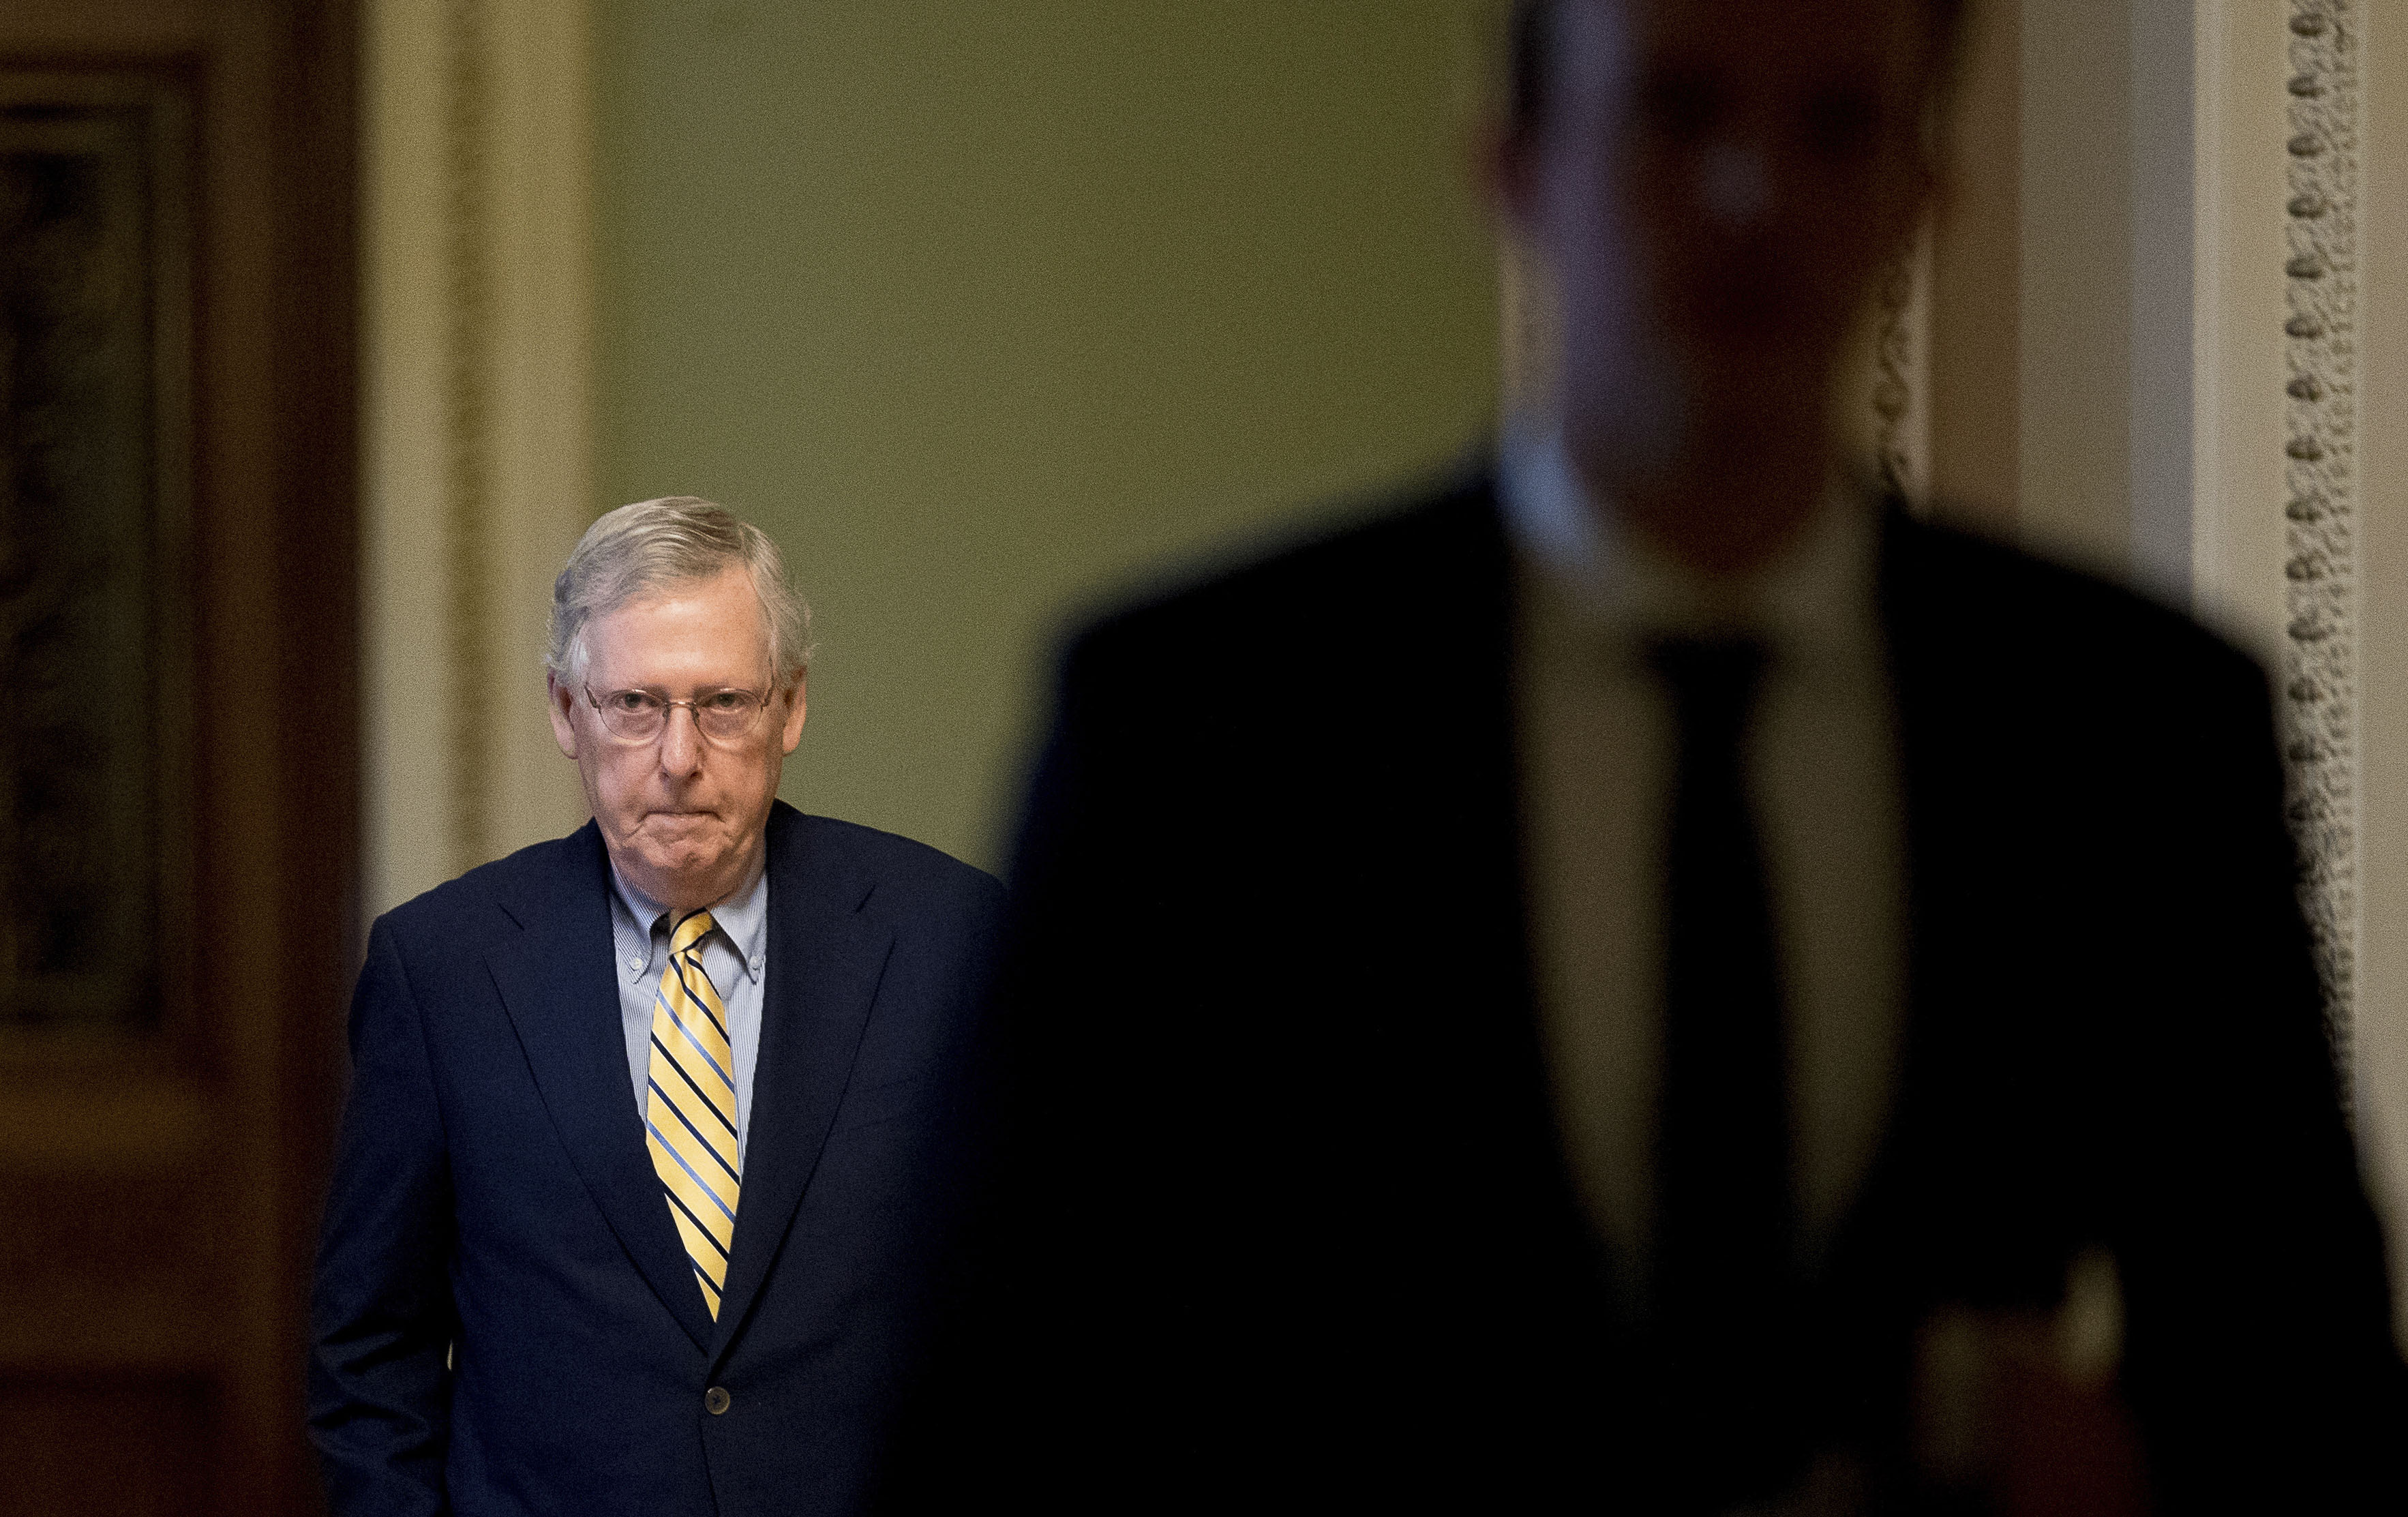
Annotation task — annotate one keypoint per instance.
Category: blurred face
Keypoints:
(682, 814)
(1716, 184)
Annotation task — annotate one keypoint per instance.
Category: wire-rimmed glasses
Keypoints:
(641, 716)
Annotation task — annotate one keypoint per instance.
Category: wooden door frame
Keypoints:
(232, 1114)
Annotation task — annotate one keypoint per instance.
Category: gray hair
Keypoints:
(638, 548)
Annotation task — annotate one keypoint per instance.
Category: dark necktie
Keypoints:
(1724, 1285)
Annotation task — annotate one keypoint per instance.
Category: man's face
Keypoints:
(1716, 184)
(682, 814)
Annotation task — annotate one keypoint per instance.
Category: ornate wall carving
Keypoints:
(2319, 673)
(1902, 364)
(478, 379)
(467, 486)
(94, 627)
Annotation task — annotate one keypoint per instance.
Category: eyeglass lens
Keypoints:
(640, 715)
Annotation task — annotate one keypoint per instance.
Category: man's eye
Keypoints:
(632, 702)
(725, 701)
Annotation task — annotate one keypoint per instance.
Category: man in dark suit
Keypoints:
(1572, 993)
(644, 1157)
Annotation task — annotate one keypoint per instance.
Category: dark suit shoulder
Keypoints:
(2043, 614)
(892, 861)
(1326, 595)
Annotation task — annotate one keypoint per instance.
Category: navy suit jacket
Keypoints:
(1282, 1213)
(493, 1205)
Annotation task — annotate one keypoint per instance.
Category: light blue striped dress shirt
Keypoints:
(735, 956)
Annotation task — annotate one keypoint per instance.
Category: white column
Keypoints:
(2381, 1040)
(2236, 547)
(2074, 484)
(2299, 529)
(2214, 384)
(2166, 279)
(477, 351)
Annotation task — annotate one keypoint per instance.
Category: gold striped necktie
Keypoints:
(690, 1107)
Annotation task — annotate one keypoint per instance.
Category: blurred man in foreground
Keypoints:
(1558, 996)
(646, 1141)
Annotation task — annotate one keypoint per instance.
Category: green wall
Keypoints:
(984, 311)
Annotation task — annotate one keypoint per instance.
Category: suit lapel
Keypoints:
(1968, 780)
(1485, 1051)
(1941, 1185)
(555, 980)
(827, 955)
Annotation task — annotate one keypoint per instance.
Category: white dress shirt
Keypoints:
(734, 954)
(1597, 746)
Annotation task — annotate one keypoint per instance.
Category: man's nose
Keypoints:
(681, 742)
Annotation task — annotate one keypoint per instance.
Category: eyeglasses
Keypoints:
(639, 716)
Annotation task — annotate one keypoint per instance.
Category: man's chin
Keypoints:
(678, 859)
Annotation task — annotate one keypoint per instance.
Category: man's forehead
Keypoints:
(689, 627)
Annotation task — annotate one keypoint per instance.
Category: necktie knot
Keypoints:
(689, 931)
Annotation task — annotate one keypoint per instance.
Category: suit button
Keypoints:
(715, 1400)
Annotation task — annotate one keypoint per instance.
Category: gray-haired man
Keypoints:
(642, 1163)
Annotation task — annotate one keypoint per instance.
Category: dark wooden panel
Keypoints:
(95, 624)
(127, 1448)
(111, 1270)
(163, 1139)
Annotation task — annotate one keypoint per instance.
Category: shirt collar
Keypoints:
(1818, 595)
(634, 916)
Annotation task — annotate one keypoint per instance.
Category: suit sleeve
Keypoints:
(382, 1316)
(2259, 1339)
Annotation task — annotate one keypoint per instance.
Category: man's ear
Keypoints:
(563, 702)
(792, 733)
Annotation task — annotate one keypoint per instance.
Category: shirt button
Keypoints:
(756, 964)
(715, 1400)
(635, 963)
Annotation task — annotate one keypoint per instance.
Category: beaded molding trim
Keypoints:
(2319, 656)
(1901, 447)
(468, 485)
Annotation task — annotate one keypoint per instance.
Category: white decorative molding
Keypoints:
(468, 485)
(2320, 642)
(1901, 387)
(476, 373)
